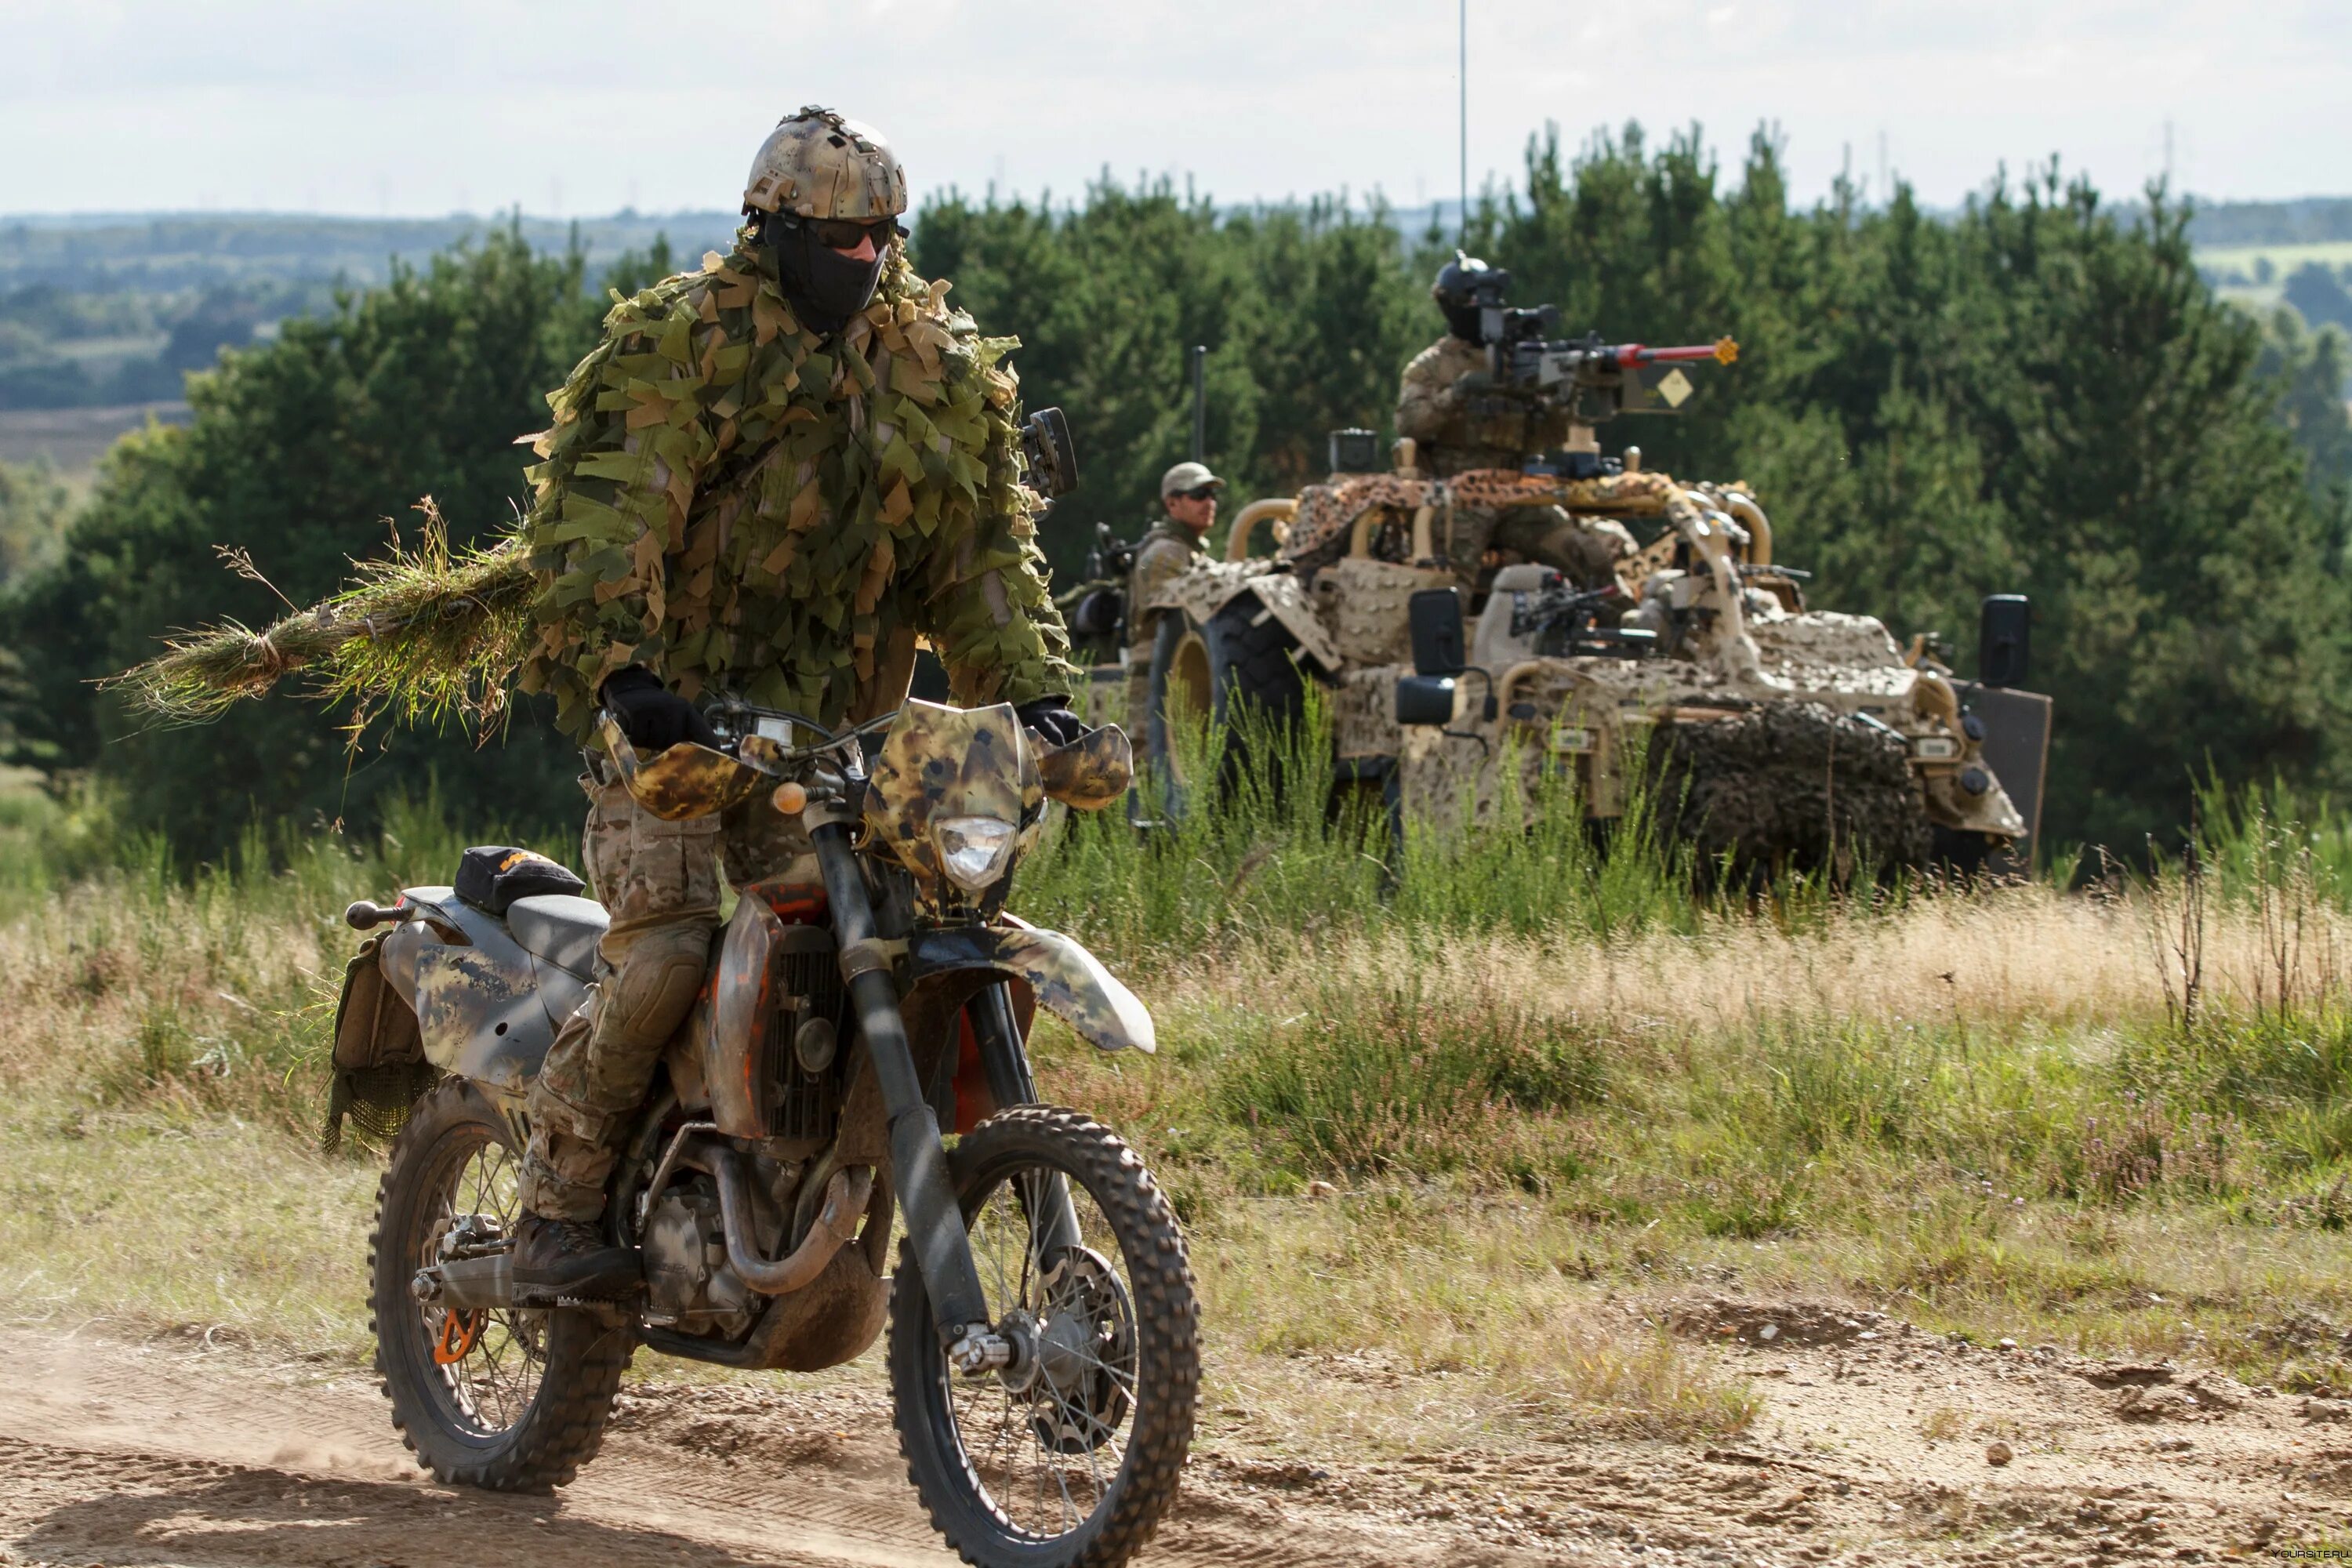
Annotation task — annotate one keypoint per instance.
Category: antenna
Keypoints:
(1200, 402)
(1462, 76)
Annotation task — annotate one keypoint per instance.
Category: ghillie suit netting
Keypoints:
(423, 632)
(725, 497)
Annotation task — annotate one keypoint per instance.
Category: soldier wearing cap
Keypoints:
(1188, 492)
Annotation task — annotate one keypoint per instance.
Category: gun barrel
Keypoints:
(1723, 351)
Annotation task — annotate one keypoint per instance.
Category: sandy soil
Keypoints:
(1877, 1444)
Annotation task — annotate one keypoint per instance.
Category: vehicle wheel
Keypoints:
(508, 1399)
(1183, 701)
(1962, 855)
(1241, 661)
(1367, 804)
(1071, 1455)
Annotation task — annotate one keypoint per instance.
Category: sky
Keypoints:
(582, 107)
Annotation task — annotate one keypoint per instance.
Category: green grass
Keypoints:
(1268, 858)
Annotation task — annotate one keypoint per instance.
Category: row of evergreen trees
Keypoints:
(2033, 396)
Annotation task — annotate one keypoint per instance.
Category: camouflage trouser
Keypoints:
(1136, 721)
(661, 881)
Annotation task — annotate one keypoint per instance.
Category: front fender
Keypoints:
(1065, 976)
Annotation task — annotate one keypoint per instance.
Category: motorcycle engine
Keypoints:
(688, 1282)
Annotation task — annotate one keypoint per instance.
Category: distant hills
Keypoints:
(2308, 220)
(108, 310)
(168, 252)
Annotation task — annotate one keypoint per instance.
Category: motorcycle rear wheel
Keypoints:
(1076, 1468)
(508, 1399)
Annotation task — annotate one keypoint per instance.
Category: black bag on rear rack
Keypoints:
(493, 875)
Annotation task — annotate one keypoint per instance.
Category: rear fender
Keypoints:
(1065, 979)
(486, 1009)
(1208, 586)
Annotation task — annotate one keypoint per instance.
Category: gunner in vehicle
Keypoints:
(767, 481)
(1459, 420)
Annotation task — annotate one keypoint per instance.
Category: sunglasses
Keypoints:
(1200, 493)
(844, 234)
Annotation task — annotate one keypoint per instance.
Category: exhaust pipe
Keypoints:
(846, 1197)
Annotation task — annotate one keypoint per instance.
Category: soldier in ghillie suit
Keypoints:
(1458, 419)
(1188, 495)
(770, 479)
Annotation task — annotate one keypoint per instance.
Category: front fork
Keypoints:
(918, 1158)
(1053, 1219)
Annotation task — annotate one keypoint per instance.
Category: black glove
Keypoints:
(1051, 718)
(651, 715)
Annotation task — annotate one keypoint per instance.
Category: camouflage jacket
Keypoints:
(738, 503)
(1458, 420)
(1162, 556)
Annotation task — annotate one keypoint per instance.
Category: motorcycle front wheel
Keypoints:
(1072, 1454)
(509, 1399)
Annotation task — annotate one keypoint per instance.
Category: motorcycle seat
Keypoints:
(560, 928)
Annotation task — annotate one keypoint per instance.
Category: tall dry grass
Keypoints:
(1418, 1135)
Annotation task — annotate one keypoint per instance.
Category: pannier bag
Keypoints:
(378, 1068)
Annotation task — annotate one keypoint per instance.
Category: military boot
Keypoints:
(570, 1257)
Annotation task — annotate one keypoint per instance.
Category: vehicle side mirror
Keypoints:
(2004, 639)
(1053, 460)
(1435, 617)
(1425, 700)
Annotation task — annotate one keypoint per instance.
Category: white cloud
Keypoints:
(440, 103)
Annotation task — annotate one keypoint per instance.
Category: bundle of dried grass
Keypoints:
(421, 634)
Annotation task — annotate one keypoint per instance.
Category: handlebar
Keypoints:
(694, 780)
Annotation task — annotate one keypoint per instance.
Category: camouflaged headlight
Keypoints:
(973, 850)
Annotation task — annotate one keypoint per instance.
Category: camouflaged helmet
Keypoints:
(817, 164)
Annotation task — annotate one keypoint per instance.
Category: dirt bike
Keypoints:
(1043, 1351)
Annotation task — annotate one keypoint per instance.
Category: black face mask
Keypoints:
(822, 285)
(1462, 321)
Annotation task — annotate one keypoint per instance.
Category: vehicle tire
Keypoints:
(1125, 1295)
(1964, 856)
(1240, 662)
(1790, 786)
(506, 1399)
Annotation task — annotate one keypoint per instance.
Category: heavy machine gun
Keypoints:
(1528, 358)
(1566, 621)
(1596, 380)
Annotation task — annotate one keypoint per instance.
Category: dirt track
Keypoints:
(1871, 1449)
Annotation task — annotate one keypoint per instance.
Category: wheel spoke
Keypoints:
(491, 1386)
(1046, 1454)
